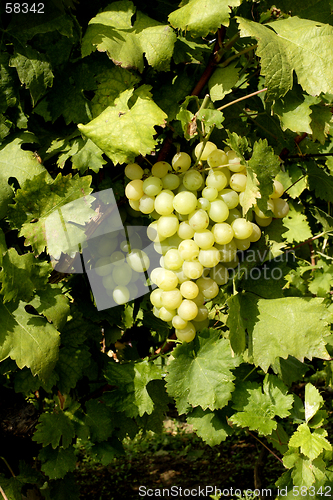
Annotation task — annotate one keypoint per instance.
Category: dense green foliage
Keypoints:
(87, 87)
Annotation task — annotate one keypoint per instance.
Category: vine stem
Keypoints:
(3, 494)
(231, 58)
(241, 99)
(263, 444)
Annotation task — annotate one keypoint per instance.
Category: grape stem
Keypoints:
(241, 99)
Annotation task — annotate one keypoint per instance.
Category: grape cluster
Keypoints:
(198, 228)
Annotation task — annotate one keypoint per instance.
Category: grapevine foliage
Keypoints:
(86, 90)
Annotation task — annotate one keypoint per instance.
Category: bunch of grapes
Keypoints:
(198, 227)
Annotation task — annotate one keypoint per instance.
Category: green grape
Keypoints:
(203, 203)
(210, 257)
(121, 295)
(184, 202)
(152, 186)
(181, 162)
(107, 245)
(103, 266)
(234, 162)
(185, 231)
(187, 333)
(218, 211)
(234, 213)
(166, 280)
(173, 259)
(160, 169)
(147, 204)
(193, 269)
(198, 219)
(263, 222)
(219, 274)
(188, 250)
(189, 290)
(164, 202)
(167, 225)
(223, 233)
(230, 197)
(256, 233)
(208, 287)
(238, 182)
(192, 180)
(138, 260)
(170, 181)
(202, 314)
(278, 189)
(171, 299)
(210, 193)
(227, 252)
(152, 232)
(202, 150)
(167, 314)
(187, 310)
(108, 282)
(122, 274)
(281, 208)
(242, 228)
(243, 244)
(134, 190)
(216, 179)
(156, 297)
(133, 171)
(204, 239)
(217, 158)
(178, 322)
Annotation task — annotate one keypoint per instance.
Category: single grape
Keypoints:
(160, 169)
(152, 232)
(210, 257)
(230, 197)
(219, 274)
(121, 295)
(184, 202)
(133, 171)
(135, 205)
(256, 233)
(167, 280)
(172, 299)
(234, 213)
(147, 204)
(186, 334)
(103, 266)
(238, 182)
(164, 202)
(134, 190)
(204, 239)
(263, 222)
(152, 186)
(156, 297)
(178, 322)
(188, 250)
(122, 274)
(243, 244)
(202, 150)
(117, 258)
(281, 208)
(202, 314)
(187, 310)
(242, 228)
(108, 282)
(234, 162)
(203, 203)
(260, 213)
(173, 259)
(181, 162)
(193, 180)
(170, 181)
(210, 193)
(167, 225)
(216, 179)
(106, 245)
(208, 287)
(198, 219)
(217, 158)
(193, 269)
(223, 233)
(167, 314)
(218, 211)
(138, 260)
(189, 290)
(278, 189)
(185, 231)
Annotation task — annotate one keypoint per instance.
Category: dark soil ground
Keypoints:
(179, 459)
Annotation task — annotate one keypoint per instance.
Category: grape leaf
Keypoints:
(235, 323)
(56, 463)
(305, 471)
(256, 409)
(8, 92)
(317, 10)
(3, 246)
(289, 370)
(105, 94)
(98, 419)
(299, 45)
(22, 275)
(88, 156)
(34, 70)
(279, 439)
(325, 220)
(132, 395)
(66, 487)
(71, 365)
(211, 426)
(322, 281)
(320, 182)
(124, 132)
(262, 168)
(47, 213)
(291, 326)
(222, 81)
(15, 162)
(294, 110)
(321, 120)
(200, 373)
(297, 225)
(310, 443)
(53, 304)
(312, 401)
(107, 451)
(201, 17)
(291, 176)
(54, 428)
(28, 339)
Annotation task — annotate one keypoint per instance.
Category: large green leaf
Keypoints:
(28, 339)
(310, 443)
(50, 214)
(320, 182)
(56, 463)
(256, 409)
(53, 304)
(111, 31)
(124, 132)
(211, 426)
(298, 226)
(16, 162)
(291, 326)
(317, 10)
(22, 275)
(54, 428)
(200, 373)
(201, 17)
(293, 44)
